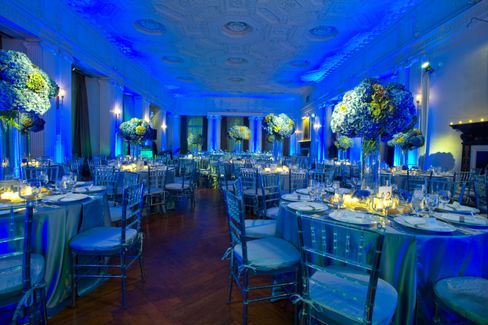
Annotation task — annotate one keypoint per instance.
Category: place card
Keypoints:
(385, 192)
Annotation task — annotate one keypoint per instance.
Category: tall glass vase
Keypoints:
(278, 149)
(404, 159)
(238, 147)
(370, 164)
(342, 154)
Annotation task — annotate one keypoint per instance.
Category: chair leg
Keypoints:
(245, 286)
(141, 266)
(42, 301)
(231, 279)
(73, 280)
(123, 271)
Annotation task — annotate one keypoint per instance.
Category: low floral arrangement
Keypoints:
(25, 91)
(280, 126)
(372, 110)
(409, 140)
(343, 142)
(135, 130)
(239, 132)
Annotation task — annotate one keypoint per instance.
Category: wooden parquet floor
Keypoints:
(186, 282)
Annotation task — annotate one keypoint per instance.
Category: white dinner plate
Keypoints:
(89, 189)
(293, 197)
(425, 224)
(457, 208)
(354, 217)
(80, 183)
(308, 207)
(303, 191)
(462, 219)
(65, 198)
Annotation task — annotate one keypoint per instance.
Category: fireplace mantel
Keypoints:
(471, 134)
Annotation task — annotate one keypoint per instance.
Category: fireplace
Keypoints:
(474, 138)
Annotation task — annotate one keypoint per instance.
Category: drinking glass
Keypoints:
(44, 178)
(418, 202)
(432, 201)
(444, 197)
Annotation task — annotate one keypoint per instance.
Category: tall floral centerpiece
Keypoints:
(239, 133)
(280, 127)
(343, 144)
(25, 91)
(135, 131)
(373, 112)
(409, 140)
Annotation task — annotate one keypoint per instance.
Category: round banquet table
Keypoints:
(53, 228)
(413, 262)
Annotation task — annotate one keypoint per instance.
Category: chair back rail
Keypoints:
(330, 247)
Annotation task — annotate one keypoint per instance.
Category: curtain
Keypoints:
(223, 134)
(184, 134)
(205, 133)
(81, 137)
(286, 147)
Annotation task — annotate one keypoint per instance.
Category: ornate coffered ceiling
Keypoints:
(242, 47)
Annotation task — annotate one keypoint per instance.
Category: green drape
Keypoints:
(205, 133)
(184, 134)
(81, 136)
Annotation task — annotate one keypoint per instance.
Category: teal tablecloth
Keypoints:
(413, 262)
(53, 228)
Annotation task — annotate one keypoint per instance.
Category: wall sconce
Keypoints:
(164, 126)
(316, 126)
(117, 112)
(418, 99)
(427, 67)
(60, 98)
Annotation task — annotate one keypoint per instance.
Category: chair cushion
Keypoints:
(115, 213)
(272, 213)
(154, 190)
(11, 276)
(252, 192)
(466, 296)
(176, 186)
(344, 291)
(100, 239)
(269, 254)
(259, 228)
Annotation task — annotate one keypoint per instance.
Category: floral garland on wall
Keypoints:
(372, 110)
(280, 126)
(239, 133)
(135, 131)
(25, 91)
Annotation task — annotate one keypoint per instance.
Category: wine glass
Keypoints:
(44, 178)
(36, 189)
(432, 201)
(444, 197)
(418, 202)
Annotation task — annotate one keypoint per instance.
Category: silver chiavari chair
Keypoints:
(340, 274)
(297, 179)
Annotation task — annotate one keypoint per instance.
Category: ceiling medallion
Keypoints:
(299, 63)
(323, 32)
(172, 59)
(237, 28)
(235, 60)
(149, 26)
(236, 79)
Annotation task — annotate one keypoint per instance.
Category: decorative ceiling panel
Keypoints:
(250, 47)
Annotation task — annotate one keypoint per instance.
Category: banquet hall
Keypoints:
(243, 162)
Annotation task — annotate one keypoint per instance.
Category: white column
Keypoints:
(210, 133)
(252, 128)
(111, 96)
(176, 133)
(259, 133)
(164, 130)
(218, 131)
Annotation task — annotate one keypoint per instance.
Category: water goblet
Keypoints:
(44, 178)
(444, 197)
(432, 201)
